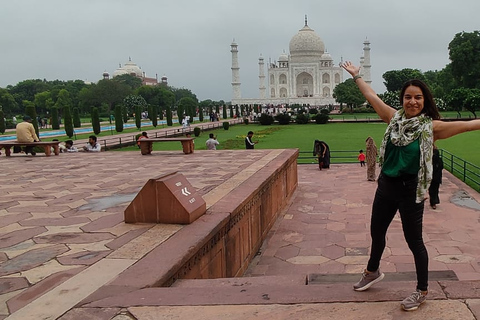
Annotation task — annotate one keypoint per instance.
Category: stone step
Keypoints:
(444, 275)
(249, 294)
(310, 279)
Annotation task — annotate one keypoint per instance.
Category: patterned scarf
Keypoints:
(403, 131)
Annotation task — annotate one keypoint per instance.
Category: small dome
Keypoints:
(106, 74)
(306, 43)
(283, 57)
(129, 68)
(133, 69)
(326, 56)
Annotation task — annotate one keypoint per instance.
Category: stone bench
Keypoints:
(47, 146)
(147, 143)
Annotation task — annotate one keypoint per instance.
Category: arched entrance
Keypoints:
(304, 85)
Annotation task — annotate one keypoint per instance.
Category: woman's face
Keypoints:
(413, 101)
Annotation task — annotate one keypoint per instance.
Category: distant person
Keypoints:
(371, 154)
(249, 144)
(321, 150)
(61, 147)
(437, 164)
(69, 147)
(143, 136)
(212, 142)
(26, 133)
(361, 158)
(92, 145)
(14, 120)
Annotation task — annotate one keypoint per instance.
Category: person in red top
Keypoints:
(361, 158)
(143, 136)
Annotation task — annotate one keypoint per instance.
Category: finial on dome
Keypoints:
(306, 21)
(129, 58)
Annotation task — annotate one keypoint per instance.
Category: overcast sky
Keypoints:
(189, 40)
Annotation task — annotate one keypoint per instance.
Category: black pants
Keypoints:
(398, 194)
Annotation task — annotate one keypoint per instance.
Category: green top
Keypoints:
(401, 160)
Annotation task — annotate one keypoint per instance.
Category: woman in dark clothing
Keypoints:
(322, 151)
(437, 164)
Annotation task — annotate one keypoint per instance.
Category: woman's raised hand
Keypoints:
(350, 68)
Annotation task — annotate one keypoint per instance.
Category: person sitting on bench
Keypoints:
(26, 133)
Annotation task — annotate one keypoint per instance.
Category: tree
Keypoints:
(8, 103)
(456, 99)
(154, 116)
(395, 79)
(347, 92)
(63, 100)
(43, 101)
(168, 112)
(105, 91)
(118, 118)
(472, 103)
(27, 89)
(55, 124)
(128, 80)
(185, 105)
(30, 111)
(200, 113)
(96, 121)
(392, 98)
(76, 118)
(68, 122)
(2, 122)
(132, 101)
(138, 117)
(464, 52)
(166, 98)
(224, 113)
(183, 93)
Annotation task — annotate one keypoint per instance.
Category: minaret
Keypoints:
(261, 77)
(235, 72)
(367, 76)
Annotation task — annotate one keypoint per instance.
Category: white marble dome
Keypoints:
(283, 57)
(129, 68)
(326, 56)
(306, 43)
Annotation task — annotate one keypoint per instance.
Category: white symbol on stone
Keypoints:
(191, 200)
(185, 192)
(178, 184)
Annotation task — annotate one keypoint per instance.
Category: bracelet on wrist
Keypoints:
(356, 78)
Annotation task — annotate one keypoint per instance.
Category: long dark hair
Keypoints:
(429, 107)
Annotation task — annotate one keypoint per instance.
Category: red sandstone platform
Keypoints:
(65, 252)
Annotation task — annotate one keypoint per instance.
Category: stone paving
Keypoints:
(62, 237)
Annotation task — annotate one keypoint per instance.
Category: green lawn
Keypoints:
(339, 136)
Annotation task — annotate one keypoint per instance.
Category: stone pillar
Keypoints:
(366, 62)
(261, 77)
(235, 72)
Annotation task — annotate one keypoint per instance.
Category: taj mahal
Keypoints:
(306, 76)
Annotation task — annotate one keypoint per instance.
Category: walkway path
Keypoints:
(62, 236)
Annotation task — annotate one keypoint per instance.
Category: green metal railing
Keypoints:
(336, 156)
(464, 170)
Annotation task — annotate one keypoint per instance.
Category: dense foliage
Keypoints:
(265, 119)
(68, 121)
(96, 121)
(2, 122)
(118, 118)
